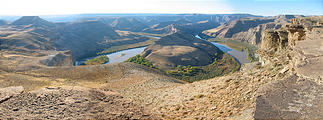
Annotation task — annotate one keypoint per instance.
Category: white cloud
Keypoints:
(46, 7)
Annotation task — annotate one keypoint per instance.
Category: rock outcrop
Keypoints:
(309, 55)
(253, 35)
(274, 40)
(250, 29)
(280, 39)
(237, 26)
(295, 33)
(306, 41)
(300, 95)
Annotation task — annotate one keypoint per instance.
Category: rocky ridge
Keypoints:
(298, 96)
(250, 29)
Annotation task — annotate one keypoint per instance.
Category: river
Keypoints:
(117, 57)
(123, 55)
(241, 56)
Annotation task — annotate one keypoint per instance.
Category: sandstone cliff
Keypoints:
(298, 96)
(249, 29)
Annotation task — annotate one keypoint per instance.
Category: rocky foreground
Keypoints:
(68, 103)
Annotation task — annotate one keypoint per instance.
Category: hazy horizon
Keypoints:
(73, 7)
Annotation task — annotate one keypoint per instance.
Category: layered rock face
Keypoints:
(298, 96)
(280, 39)
(253, 35)
(249, 29)
(180, 49)
(296, 33)
(274, 40)
(246, 29)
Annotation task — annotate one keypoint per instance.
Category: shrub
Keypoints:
(140, 60)
(221, 65)
(98, 60)
(184, 71)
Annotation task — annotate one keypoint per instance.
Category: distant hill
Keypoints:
(33, 34)
(37, 34)
(169, 29)
(129, 24)
(84, 37)
(3, 22)
(34, 21)
(164, 24)
(180, 49)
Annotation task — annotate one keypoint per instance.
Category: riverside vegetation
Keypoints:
(221, 65)
(97, 60)
(140, 60)
(218, 67)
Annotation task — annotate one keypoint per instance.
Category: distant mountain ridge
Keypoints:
(35, 21)
(3, 22)
(128, 24)
(85, 36)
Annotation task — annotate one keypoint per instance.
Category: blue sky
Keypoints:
(274, 7)
(257, 7)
